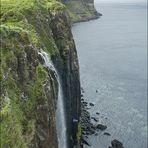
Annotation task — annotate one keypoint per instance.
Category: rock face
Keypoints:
(67, 65)
(116, 144)
(82, 10)
(101, 127)
(28, 94)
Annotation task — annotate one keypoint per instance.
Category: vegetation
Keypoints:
(24, 30)
(77, 10)
(20, 94)
(79, 132)
(32, 16)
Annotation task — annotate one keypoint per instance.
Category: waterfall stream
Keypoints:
(60, 112)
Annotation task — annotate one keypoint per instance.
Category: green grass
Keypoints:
(77, 10)
(24, 30)
(32, 16)
(79, 132)
(18, 116)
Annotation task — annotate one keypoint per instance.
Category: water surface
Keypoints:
(113, 59)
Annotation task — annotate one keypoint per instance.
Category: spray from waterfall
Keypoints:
(60, 112)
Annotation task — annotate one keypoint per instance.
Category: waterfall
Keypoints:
(60, 112)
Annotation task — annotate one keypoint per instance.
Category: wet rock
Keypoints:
(116, 144)
(87, 133)
(107, 134)
(97, 113)
(91, 131)
(85, 103)
(82, 90)
(84, 141)
(101, 127)
(94, 119)
(82, 99)
(88, 108)
(85, 137)
(96, 134)
(91, 104)
(93, 127)
(81, 95)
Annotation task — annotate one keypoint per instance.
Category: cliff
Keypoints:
(81, 10)
(29, 90)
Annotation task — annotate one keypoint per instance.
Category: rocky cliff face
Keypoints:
(29, 91)
(67, 64)
(81, 10)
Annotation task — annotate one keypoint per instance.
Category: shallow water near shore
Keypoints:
(113, 60)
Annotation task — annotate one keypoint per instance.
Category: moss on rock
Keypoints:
(24, 31)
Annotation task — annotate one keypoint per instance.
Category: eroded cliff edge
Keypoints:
(81, 10)
(29, 91)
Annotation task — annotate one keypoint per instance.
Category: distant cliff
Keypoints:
(29, 91)
(81, 10)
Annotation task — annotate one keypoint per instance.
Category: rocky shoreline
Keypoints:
(91, 126)
(96, 16)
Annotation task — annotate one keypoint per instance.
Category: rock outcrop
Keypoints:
(82, 10)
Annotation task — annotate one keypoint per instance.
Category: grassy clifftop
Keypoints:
(82, 10)
(32, 16)
(25, 29)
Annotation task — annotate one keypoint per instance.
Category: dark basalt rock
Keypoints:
(101, 127)
(117, 144)
(86, 137)
(82, 99)
(94, 119)
(107, 134)
(88, 108)
(81, 95)
(85, 102)
(93, 127)
(91, 104)
(85, 142)
(82, 90)
(97, 113)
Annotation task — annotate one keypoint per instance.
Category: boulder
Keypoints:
(91, 104)
(101, 127)
(107, 134)
(96, 134)
(82, 99)
(94, 119)
(116, 144)
(84, 141)
(97, 113)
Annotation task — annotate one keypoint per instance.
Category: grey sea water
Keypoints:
(113, 60)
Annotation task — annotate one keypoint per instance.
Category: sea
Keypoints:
(112, 53)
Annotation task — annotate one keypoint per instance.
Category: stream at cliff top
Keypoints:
(60, 113)
(113, 60)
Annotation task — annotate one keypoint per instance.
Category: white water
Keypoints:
(60, 113)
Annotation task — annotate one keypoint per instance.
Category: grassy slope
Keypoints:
(78, 10)
(24, 30)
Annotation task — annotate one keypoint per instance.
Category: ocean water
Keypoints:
(113, 60)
